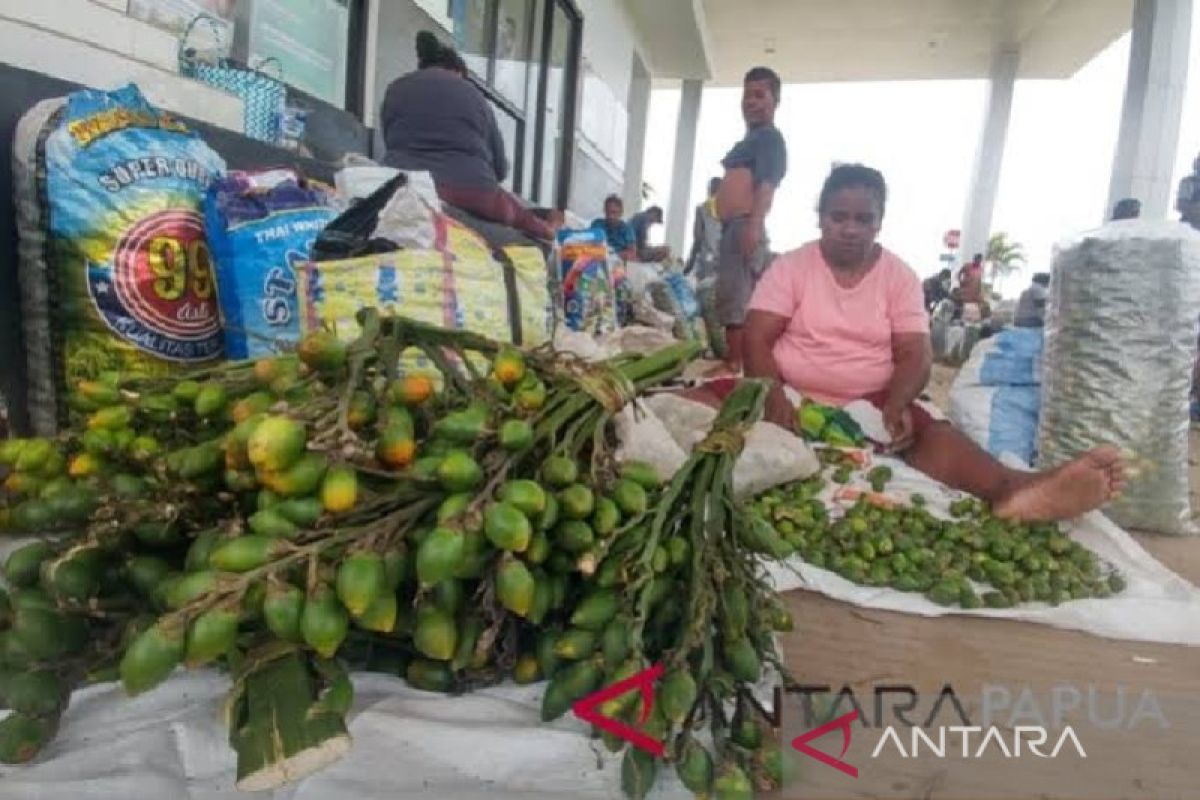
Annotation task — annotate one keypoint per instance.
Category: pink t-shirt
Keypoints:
(838, 345)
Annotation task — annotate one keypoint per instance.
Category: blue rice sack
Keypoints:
(261, 227)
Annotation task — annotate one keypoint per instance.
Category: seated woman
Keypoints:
(435, 120)
(843, 319)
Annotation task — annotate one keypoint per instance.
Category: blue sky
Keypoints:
(923, 135)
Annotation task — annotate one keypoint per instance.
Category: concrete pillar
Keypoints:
(1149, 135)
(680, 211)
(985, 175)
(635, 136)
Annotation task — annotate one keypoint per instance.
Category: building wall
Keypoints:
(609, 39)
(93, 42)
(610, 42)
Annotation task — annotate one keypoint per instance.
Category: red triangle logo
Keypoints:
(587, 709)
(800, 743)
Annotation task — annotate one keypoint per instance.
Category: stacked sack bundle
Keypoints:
(996, 397)
(1120, 346)
(114, 269)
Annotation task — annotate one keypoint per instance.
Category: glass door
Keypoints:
(524, 56)
(562, 35)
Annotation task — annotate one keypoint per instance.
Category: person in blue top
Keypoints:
(620, 236)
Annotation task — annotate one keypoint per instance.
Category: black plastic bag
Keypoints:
(349, 236)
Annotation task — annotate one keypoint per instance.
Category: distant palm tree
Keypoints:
(1006, 258)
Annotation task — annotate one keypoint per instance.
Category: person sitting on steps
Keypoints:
(435, 120)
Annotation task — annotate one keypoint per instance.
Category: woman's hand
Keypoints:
(778, 409)
(898, 421)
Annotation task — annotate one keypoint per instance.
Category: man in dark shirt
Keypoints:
(641, 224)
(936, 288)
(754, 169)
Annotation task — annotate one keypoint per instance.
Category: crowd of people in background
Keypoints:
(836, 320)
(630, 238)
(435, 120)
(729, 234)
(1031, 305)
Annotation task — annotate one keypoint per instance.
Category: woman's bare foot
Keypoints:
(1074, 488)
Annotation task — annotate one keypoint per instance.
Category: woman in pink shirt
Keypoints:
(842, 319)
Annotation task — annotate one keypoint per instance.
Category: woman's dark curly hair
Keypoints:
(846, 176)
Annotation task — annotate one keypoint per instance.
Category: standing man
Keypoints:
(706, 235)
(753, 170)
(970, 280)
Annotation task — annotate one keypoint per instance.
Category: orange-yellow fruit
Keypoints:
(509, 367)
(276, 443)
(412, 390)
(252, 404)
(397, 447)
(339, 490)
(322, 351)
(397, 451)
(83, 465)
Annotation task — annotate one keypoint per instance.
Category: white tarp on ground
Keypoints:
(1156, 606)
(169, 743)
(491, 745)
